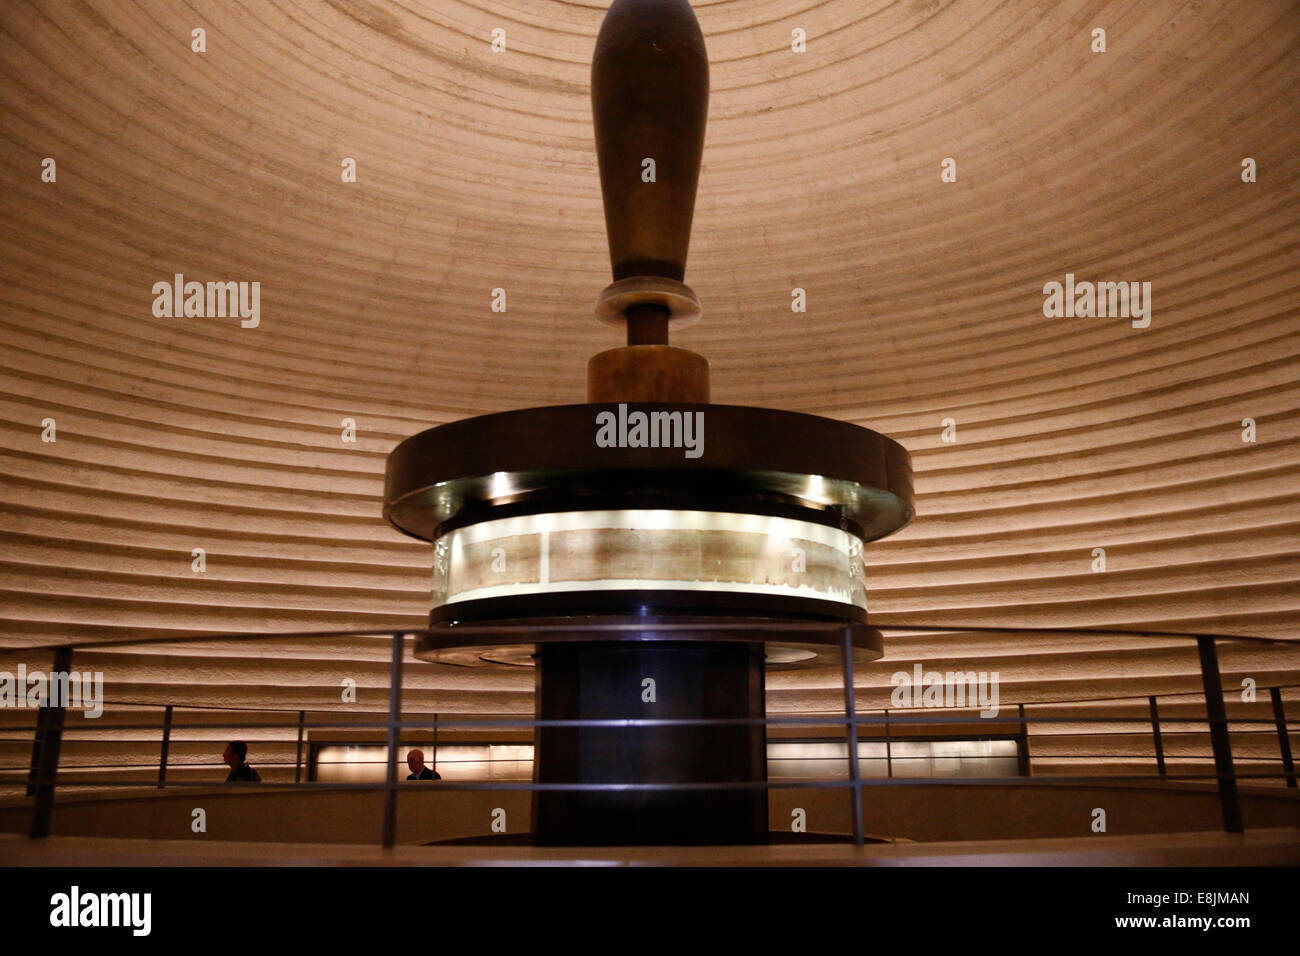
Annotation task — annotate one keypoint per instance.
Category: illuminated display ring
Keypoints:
(657, 558)
(557, 461)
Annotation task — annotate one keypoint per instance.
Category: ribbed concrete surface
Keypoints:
(476, 170)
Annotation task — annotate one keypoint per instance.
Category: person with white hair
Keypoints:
(415, 760)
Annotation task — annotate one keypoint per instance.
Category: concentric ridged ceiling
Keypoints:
(476, 171)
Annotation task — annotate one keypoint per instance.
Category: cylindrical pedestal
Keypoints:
(607, 680)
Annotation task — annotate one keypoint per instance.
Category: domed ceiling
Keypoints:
(1036, 438)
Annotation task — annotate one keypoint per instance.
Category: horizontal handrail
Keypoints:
(800, 784)
(829, 627)
(596, 722)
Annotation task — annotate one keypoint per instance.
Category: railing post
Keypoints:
(1155, 735)
(851, 730)
(1283, 741)
(38, 738)
(889, 748)
(166, 742)
(394, 715)
(51, 740)
(1022, 744)
(1218, 720)
(297, 761)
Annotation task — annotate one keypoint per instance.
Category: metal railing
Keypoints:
(48, 736)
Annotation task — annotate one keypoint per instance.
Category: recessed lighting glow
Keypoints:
(652, 549)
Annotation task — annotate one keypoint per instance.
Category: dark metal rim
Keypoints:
(625, 606)
(431, 645)
(814, 463)
(811, 656)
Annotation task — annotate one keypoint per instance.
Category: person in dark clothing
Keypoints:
(240, 772)
(415, 760)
